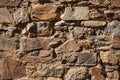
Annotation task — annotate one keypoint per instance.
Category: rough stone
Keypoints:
(113, 27)
(75, 13)
(52, 78)
(44, 29)
(116, 41)
(10, 3)
(78, 32)
(87, 59)
(69, 46)
(114, 75)
(76, 73)
(20, 16)
(5, 16)
(93, 23)
(9, 43)
(43, 12)
(109, 58)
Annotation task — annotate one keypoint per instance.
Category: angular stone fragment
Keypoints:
(109, 58)
(53, 78)
(9, 43)
(5, 16)
(87, 59)
(113, 27)
(116, 41)
(20, 16)
(10, 3)
(43, 12)
(75, 13)
(93, 23)
(76, 73)
(69, 46)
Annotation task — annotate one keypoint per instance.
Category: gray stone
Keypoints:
(5, 16)
(75, 13)
(20, 16)
(76, 73)
(93, 23)
(87, 59)
(113, 27)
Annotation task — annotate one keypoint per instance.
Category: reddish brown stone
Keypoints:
(43, 12)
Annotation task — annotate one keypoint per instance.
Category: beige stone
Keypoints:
(53, 78)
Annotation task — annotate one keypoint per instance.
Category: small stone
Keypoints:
(20, 16)
(109, 58)
(110, 68)
(75, 13)
(93, 23)
(114, 75)
(69, 46)
(76, 73)
(45, 53)
(78, 32)
(53, 78)
(5, 16)
(44, 29)
(113, 27)
(43, 12)
(116, 41)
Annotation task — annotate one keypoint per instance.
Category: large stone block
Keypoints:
(75, 13)
(5, 16)
(43, 12)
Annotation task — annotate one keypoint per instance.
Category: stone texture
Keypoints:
(43, 12)
(10, 3)
(113, 27)
(75, 13)
(68, 46)
(20, 16)
(113, 75)
(116, 41)
(52, 78)
(44, 29)
(9, 43)
(93, 23)
(109, 58)
(5, 16)
(76, 73)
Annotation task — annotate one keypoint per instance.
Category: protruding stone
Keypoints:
(5, 16)
(76, 73)
(43, 12)
(20, 16)
(93, 23)
(69, 46)
(75, 13)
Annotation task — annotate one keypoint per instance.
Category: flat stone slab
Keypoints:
(75, 13)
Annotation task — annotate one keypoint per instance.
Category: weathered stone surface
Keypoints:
(78, 32)
(9, 43)
(110, 68)
(44, 29)
(76, 73)
(30, 44)
(5, 16)
(69, 46)
(87, 59)
(114, 75)
(12, 69)
(109, 58)
(52, 78)
(93, 23)
(10, 3)
(113, 27)
(75, 13)
(116, 41)
(96, 73)
(50, 70)
(43, 12)
(20, 16)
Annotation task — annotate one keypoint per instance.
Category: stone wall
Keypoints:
(59, 39)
